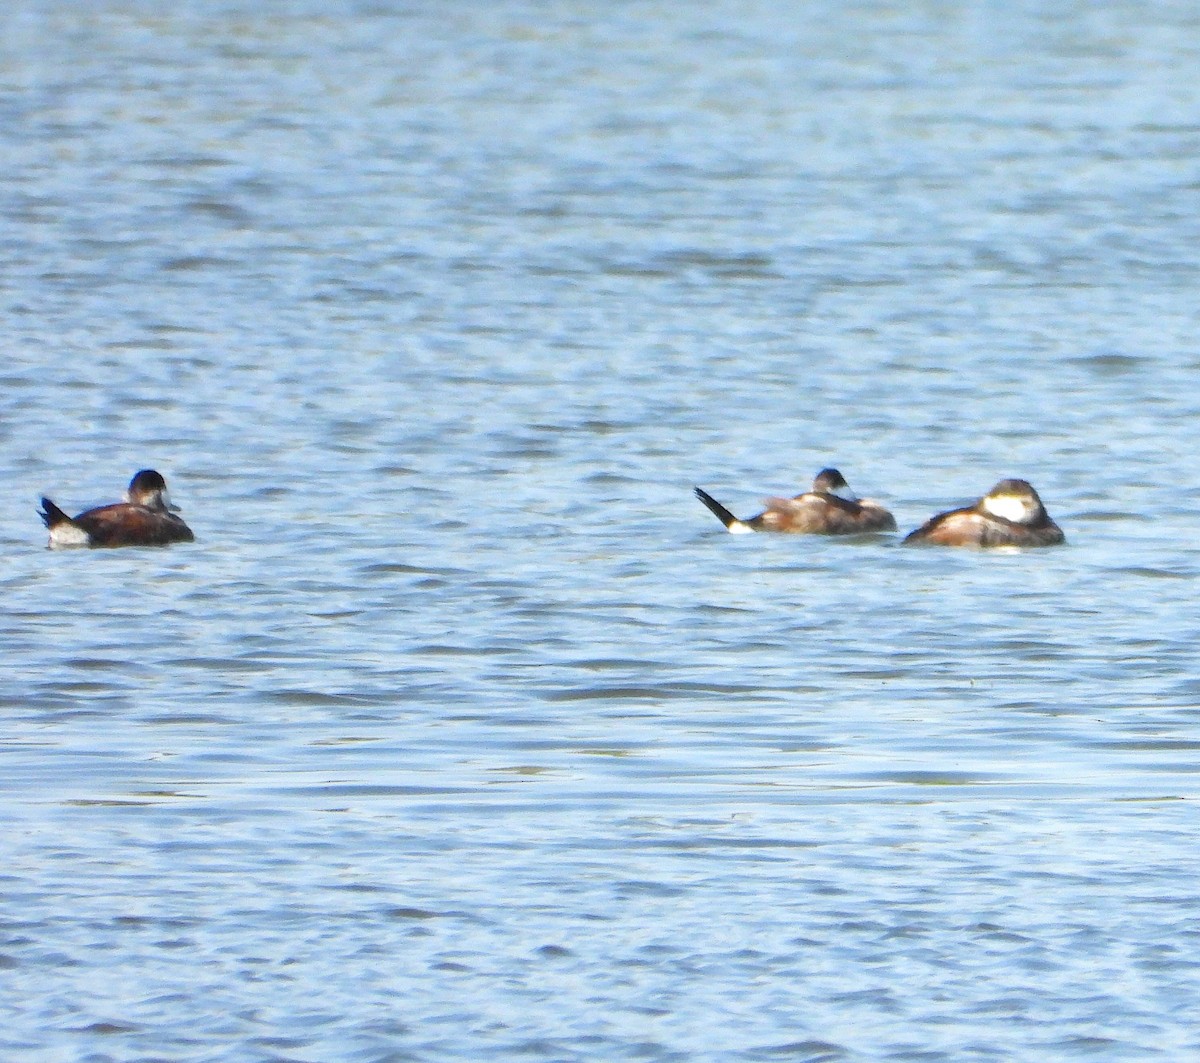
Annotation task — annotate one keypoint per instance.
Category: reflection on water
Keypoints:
(463, 730)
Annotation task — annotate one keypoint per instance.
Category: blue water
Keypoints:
(463, 731)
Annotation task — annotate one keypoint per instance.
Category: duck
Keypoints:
(830, 508)
(145, 518)
(1010, 514)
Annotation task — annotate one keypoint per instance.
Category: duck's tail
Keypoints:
(51, 515)
(732, 524)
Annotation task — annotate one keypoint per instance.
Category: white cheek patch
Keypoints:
(62, 535)
(1009, 507)
(845, 494)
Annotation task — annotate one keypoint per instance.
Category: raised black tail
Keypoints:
(718, 510)
(51, 515)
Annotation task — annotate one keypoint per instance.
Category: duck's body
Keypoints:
(1010, 514)
(143, 519)
(830, 508)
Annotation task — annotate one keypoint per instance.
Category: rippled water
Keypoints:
(463, 731)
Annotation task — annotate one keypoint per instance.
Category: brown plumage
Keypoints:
(825, 510)
(143, 520)
(1010, 514)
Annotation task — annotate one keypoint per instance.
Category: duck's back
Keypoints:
(816, 513)
(124, 524)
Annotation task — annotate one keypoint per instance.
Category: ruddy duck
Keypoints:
(1010, 514)
(830, 508)
(143, 519)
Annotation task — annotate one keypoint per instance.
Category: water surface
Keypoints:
(463, 731)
